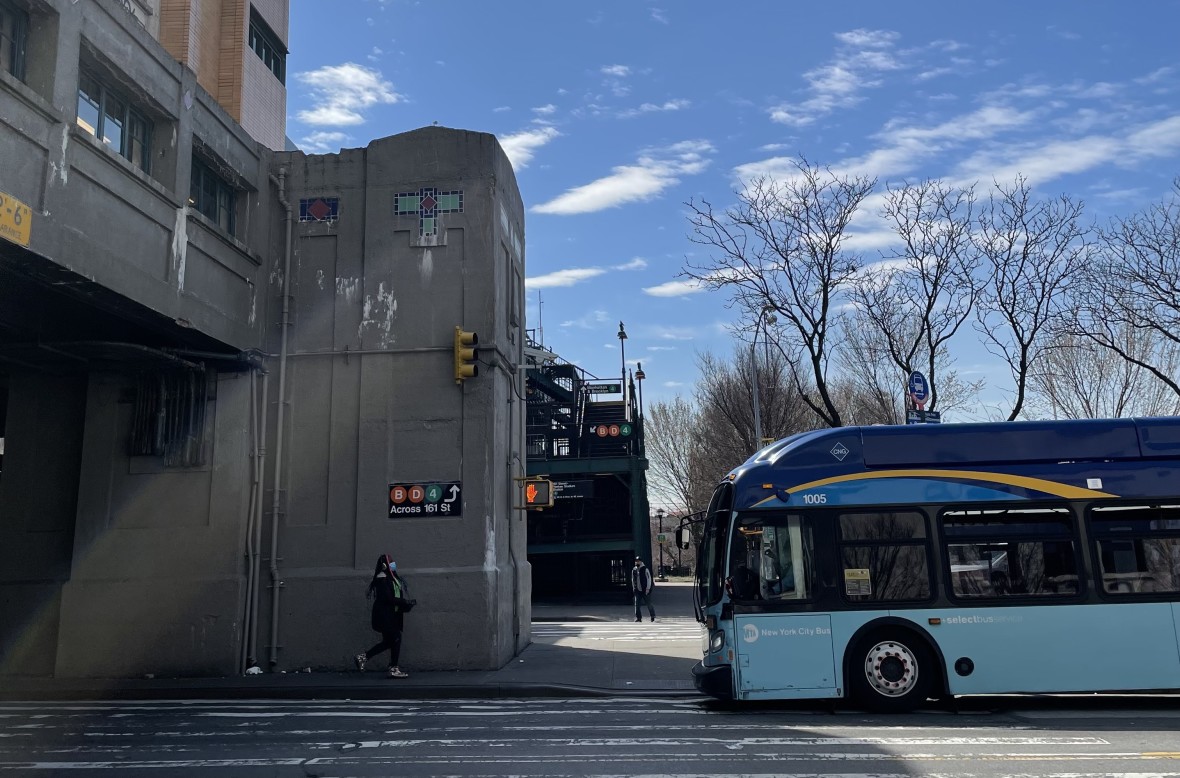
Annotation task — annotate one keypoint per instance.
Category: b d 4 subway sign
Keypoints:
(431, 498)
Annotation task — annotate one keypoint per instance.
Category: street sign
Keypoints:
(16, 220)
(432, 498)
(611, 430)
(922, 417)
(569, 490)
(918, 388)
(604, 388)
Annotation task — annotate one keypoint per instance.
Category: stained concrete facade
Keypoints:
(128, 549)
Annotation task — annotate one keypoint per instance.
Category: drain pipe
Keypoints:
(275, 583)
(259, 470)
(251, 518)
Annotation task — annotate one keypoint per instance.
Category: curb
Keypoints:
(391, 691)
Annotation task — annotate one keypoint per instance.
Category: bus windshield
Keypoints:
(712, 549)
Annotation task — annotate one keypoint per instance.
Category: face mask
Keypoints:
(392, 566)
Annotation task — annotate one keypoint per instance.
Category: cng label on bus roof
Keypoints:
(839, 451)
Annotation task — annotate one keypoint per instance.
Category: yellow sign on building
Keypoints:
(16, 220)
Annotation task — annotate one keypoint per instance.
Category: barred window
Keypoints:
(169, 419)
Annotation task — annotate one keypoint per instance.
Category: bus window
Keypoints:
(1011, 553)
(771, 559)
(884, 556)
(1138, 548)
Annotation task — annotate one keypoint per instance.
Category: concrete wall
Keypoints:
(164, 256)
(157, 581)
(38, 501)
(372, 401)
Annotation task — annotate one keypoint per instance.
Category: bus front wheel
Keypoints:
(891, 671)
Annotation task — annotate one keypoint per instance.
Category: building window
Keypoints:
(170, 416)
(319, 209)
(212, 196)
(267, 46)
(108, 116)
(14, 31)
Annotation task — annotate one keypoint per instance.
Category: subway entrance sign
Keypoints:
(426, 498)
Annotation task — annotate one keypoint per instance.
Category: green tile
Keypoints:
(428, 227)
(409, 204)
(448, 202)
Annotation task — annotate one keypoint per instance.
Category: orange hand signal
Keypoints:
(530, 493)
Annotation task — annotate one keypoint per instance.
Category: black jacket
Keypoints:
(640, 580)
(388, 608)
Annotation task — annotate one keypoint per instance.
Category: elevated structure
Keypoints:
(586, 434)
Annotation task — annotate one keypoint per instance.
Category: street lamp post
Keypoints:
(622, 352)
(639, 376)
(765, 317)
(660, 518)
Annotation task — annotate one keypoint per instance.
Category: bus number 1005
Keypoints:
(815, 499)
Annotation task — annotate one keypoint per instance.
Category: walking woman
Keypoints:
(390, 602)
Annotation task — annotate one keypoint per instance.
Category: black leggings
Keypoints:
(390, 640)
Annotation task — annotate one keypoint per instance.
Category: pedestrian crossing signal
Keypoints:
(538, 493)
(465, 354)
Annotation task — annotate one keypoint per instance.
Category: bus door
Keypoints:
(778, 649)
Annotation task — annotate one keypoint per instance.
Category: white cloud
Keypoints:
(572, 276)
(653, 172)
(323, 142)
(522, 146)
(618, 71)
(340, 93)
(674, 333)
(569, 277)
(501, 109)
(659, 15)
(673, 384)
(675, 288)
(669, 105)
(904, 146)
(546, 110)
(591, 321)
(863, 54)
(661, 348)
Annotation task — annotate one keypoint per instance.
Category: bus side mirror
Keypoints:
(683, 538)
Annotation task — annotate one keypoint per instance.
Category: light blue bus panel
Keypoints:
(785, 653)
(1058, 648)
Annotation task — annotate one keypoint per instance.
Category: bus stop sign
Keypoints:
(918, 388)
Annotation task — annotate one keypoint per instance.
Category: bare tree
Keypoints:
(1033, 250)
(671, 431)
(1133, 286)
(921, 294)
(780, 248)
(1078, 378)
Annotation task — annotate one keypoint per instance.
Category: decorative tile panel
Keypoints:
(427, 203)
(319, 209)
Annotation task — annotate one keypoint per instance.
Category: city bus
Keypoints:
(891, 564)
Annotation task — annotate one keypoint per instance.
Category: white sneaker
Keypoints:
(360, 661)
(396, 672)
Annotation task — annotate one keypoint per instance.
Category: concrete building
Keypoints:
(216, 360)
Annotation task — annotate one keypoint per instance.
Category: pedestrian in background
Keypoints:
(641, 589)
(390, 604)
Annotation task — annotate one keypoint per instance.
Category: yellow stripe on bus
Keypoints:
(1039, 484)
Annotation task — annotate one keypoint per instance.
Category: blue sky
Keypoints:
(616, 113)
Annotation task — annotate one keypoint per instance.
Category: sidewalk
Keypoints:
(579, 649)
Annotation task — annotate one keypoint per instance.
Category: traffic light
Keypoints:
(538, 493)
(465, 353)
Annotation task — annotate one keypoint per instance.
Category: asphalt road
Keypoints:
(1057, 737)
